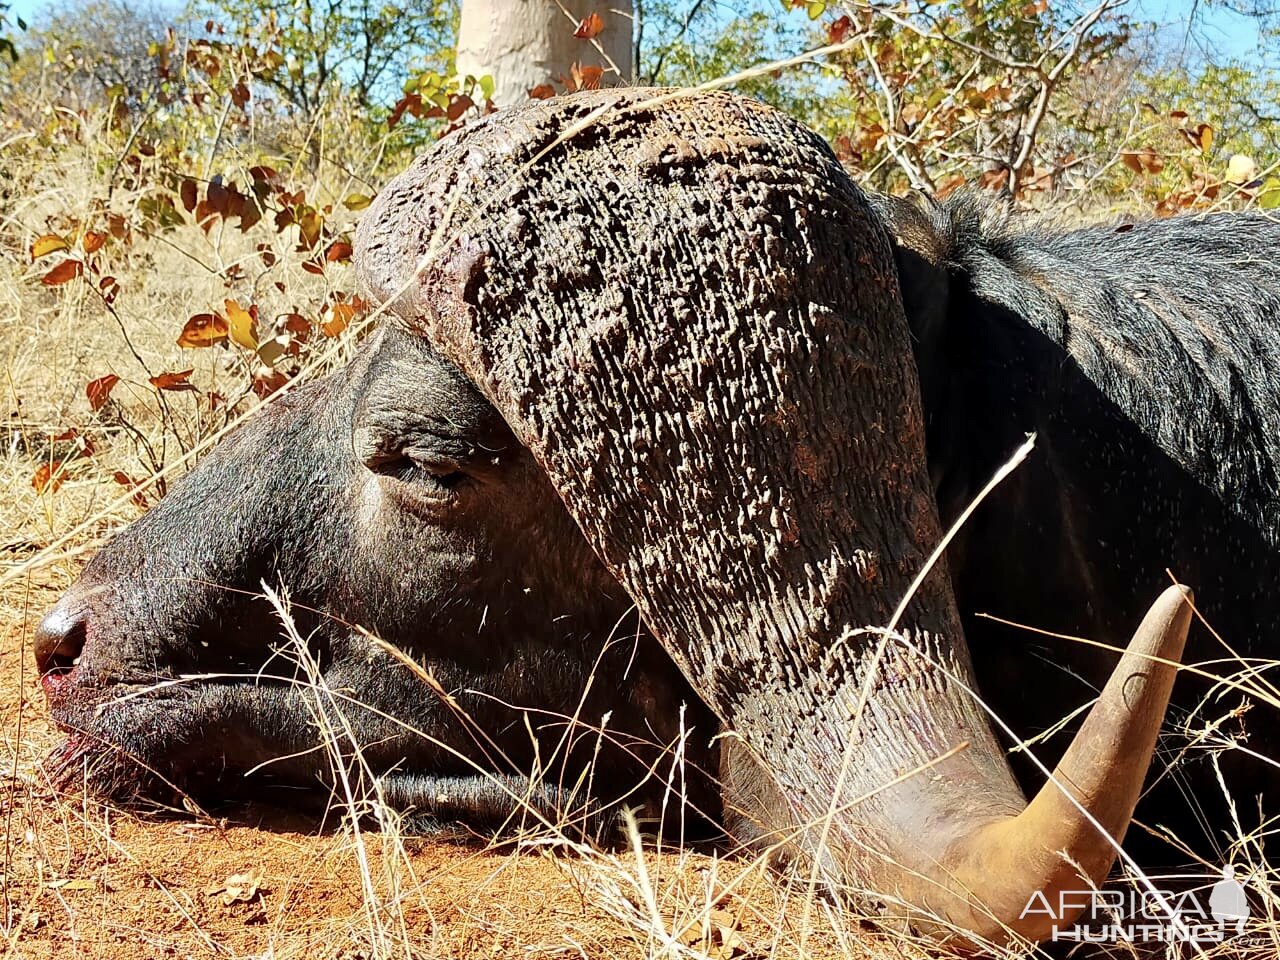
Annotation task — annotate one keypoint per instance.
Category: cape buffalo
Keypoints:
(649, 348)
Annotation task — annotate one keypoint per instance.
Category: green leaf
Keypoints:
(1269, 195)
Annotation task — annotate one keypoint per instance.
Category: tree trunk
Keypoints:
(524, 44)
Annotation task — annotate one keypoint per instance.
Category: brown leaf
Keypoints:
(93, 242)
(589, 27)
(218, 195)
(309, 226)
(339, 250)
(48, 476)
(839, 29)
(176, 380)
(84, 445)
(204, 215)
(459, 104)
(586, 78)
(265, 384)
(203, 330)
(47, 244)
(543, 91)
(122, 478)
(67, 270)
(188, 193)
(99, 391)
(950, 185)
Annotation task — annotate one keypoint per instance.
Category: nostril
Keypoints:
(58, 641)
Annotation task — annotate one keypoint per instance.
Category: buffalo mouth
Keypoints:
(162, 742)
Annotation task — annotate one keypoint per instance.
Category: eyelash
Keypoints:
(408, 470)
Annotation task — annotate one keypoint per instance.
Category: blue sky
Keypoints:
(1223, 32)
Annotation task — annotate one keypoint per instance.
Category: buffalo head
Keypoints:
(386, 499)
(644, 348)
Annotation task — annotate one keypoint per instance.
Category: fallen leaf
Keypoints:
(272, 350)
(267, 383)
(77, 883)
(543, 91)
(84, 444)
(92, 242)
(126, 481)
(239, 887)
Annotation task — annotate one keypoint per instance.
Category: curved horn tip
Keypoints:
(1086, 807)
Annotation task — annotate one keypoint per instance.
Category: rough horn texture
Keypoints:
(700, 339)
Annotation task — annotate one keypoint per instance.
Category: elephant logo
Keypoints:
(1227, 901)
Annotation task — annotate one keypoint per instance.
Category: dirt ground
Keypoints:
(84, 880)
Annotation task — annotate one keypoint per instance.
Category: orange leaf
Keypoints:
(203, 330)
(586, 78)
(66, 270)
(174, 381)
(338, 250)
(84, 445)
(93, 241)
(589, 27)
(240, 323)
(543, 91)
(47, 244)
(99, 391)
(339, 317)
(48, 476)
(125, 480)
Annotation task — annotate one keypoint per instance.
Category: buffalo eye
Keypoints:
(413, 466)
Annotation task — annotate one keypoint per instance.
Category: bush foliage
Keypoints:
(203, 168)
